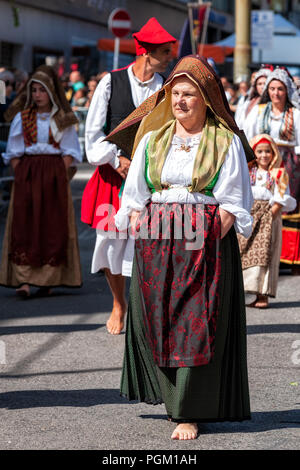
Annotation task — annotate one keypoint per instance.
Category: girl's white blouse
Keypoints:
(259, 191)
(69, 143)
(251, 127)
(232, 191)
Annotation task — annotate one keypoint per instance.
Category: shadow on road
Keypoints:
(15, 330)
(284, 305)
(25, 399)
(273, 328)
(58, 372)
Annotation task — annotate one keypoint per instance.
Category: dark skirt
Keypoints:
(40, 244)
(290, 252)
(292, 165)
(217, 391)
(40, 214)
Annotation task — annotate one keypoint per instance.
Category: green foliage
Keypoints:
(15, 12)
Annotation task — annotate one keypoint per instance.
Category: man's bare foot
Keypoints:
(261, 301)
(185, 431)
(115, 323)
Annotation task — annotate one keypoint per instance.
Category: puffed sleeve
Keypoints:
(233, 189)
(69, 144)
(136, 193)
(97, 151)
(287, 201)
(15, 147)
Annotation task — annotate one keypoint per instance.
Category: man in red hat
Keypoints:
(115, 97)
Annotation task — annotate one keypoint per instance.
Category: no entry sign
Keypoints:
(119, 23)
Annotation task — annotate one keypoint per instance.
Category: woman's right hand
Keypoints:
(133, 220)
(227, 221)
(123, 167)
(14, 163)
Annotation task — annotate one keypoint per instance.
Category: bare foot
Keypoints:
(23, 291)
(115, 323)
(261, 301)
(185, 431)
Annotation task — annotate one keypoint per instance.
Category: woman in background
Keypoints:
(40, 246)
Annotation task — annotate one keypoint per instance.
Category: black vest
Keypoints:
(120, 104)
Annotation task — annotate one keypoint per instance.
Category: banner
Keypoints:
(191, 33)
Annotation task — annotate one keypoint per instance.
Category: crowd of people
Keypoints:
(194, 153)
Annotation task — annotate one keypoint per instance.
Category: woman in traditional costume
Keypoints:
(278, 115)
(186, 331)
(261, 252)
(40, 246)
(254, 96)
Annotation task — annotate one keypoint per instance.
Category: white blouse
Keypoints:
(232, 190)
(69, 143)
(97, 151)
(251, 127)
(260, 192)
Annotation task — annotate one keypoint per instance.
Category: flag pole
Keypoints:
(191, 22)
(116, 53)
(205, 25)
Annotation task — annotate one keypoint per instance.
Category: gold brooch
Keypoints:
(186, 148)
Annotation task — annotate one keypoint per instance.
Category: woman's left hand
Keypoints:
(276, 208)
(227, 221)
(67, 161)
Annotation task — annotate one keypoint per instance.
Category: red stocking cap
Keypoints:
(263, 140)
(150, 36)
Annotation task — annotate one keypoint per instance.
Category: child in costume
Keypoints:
(260, 253)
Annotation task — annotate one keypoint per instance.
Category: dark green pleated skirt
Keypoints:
(214, 392)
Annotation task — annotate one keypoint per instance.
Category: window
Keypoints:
(6, 53)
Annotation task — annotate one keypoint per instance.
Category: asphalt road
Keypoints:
(60, 372)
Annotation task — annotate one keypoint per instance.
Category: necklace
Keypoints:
(185, 148)
(43, 116)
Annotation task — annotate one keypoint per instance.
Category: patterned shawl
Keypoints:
(29, 124)
(156, 111)
(287, 130)
(213, 148)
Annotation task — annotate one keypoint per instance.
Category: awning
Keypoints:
(127, 46)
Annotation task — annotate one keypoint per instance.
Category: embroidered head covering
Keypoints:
(156, 110)
(287, 130)
(62, 115)
(276, 170)
(260, 73)
(150, 36)
(291, 88)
